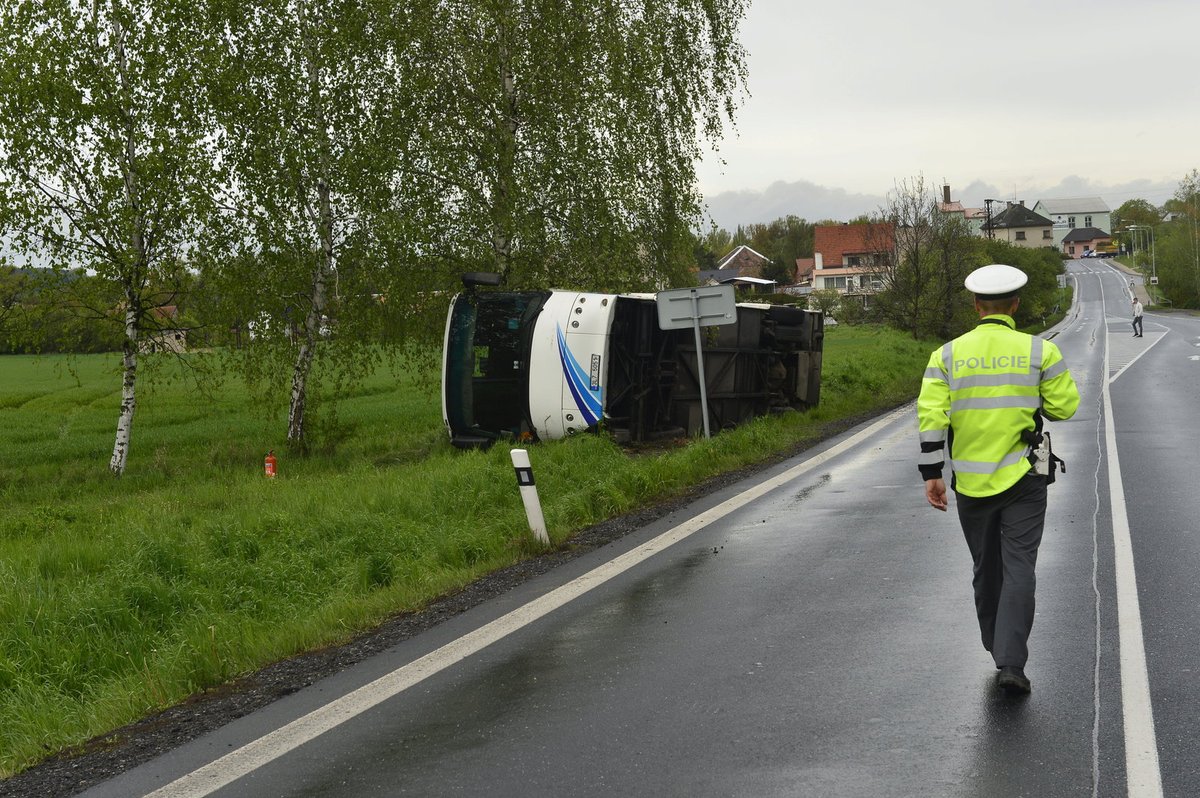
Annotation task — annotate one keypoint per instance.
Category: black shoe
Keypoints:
(1012, 680)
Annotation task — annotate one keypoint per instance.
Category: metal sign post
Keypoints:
(707, 306)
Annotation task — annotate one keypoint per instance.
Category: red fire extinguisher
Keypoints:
(269, 464)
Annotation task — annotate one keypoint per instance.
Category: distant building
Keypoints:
(974, 217)
(1073, 213)
(743, 268)
(847, 257)
(1084, 239)
(1021, 227)
(743, 262)
(804, 271)
(166, 335)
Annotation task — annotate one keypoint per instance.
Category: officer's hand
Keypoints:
(935, 493)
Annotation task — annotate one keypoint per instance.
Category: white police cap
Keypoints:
(996, 280)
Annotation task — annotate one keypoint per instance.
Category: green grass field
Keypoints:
(119, 597)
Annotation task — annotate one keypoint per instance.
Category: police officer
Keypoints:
(980, 393)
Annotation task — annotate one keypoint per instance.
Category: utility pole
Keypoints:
(987, 213)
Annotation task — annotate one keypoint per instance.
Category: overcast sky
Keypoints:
(1013, 100)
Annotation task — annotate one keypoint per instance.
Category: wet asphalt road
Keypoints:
(817, 641)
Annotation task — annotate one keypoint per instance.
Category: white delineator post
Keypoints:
(529, 495)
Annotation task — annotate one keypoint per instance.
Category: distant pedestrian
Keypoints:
(982, 400)
(1137, 318)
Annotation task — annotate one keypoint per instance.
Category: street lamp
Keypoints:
(1153, 262)
(1132, 231)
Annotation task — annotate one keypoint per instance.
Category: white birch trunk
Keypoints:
(318, 294)
(502, 196)
(128, 394)
(133, 279)
(312, 326)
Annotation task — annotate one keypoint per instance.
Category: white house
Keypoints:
(1073, 213)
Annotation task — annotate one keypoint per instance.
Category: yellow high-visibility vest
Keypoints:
(979, 392)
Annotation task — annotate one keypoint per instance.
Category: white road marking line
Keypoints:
(1096, 593)
(1142, 772)
(220, 772)
(1154, 339)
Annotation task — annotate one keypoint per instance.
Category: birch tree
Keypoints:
(376, 149)
(923, 266)
(566, 133)
(100, 145)
(311, 100)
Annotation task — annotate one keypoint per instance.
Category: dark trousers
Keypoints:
(1137, 325)
(1003, 533)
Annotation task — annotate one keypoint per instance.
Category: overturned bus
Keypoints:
(525, 365)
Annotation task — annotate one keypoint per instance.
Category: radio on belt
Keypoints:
(1041, 453)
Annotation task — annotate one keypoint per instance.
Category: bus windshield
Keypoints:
(486, 379)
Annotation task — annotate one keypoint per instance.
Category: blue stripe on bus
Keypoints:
(578, 381)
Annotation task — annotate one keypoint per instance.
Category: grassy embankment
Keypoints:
(118, 597)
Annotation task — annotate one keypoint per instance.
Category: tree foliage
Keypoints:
(332, 166)
(782, 241)
(321, 202)
(1134, 211)
(923, 256)
(43, 310)
(102, 146)
(375, 152)
(1177, 246)
(826, 300)
(565, 133)
(1042, 294)
(12, 291)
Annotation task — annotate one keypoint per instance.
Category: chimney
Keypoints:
(946, 194)
(1022, 203)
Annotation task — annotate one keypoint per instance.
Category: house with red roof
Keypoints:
(847, 257)
(1083, 240)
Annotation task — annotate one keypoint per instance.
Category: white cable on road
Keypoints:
(220, 772)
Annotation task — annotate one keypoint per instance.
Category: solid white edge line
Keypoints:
(1097, 597)
(1142, 773)
(216, 774)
